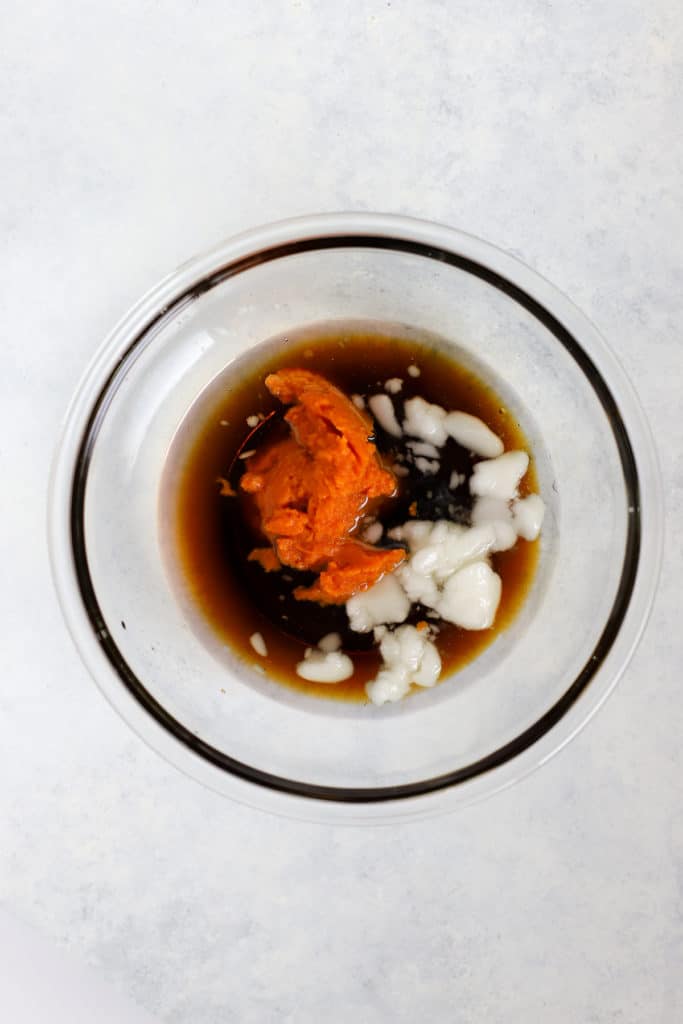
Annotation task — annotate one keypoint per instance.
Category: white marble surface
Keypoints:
(131, 136)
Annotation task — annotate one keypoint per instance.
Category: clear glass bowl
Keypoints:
(252, 738)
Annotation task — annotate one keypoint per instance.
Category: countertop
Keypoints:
(134, 135)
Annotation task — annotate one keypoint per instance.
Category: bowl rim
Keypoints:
(95, 643)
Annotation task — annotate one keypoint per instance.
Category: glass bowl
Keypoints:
(250, 737)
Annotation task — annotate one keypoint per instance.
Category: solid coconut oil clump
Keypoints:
(374, 506)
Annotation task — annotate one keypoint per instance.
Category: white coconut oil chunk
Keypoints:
(325, 666)
(382, 408)
(496, 513)
(259, 644)
(428, 467)
(372, 533)
(425, 421)
(500, 477)
(408, 657)
(384, 603)
(450, 548)
(473, 434)
(471, 596)
(527, 516)
(330, 642)
(429, 451)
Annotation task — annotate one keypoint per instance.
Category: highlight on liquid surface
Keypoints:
(253, 605)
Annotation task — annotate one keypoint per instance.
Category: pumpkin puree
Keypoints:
(311, 488)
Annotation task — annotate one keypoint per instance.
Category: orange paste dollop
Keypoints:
(310, 490)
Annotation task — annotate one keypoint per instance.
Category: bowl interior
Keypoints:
(524, 682)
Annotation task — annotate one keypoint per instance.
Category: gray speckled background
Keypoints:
(133, 135)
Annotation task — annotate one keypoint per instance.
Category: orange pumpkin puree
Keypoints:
(311, 488)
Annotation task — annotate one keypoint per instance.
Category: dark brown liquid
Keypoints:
(211, 534)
